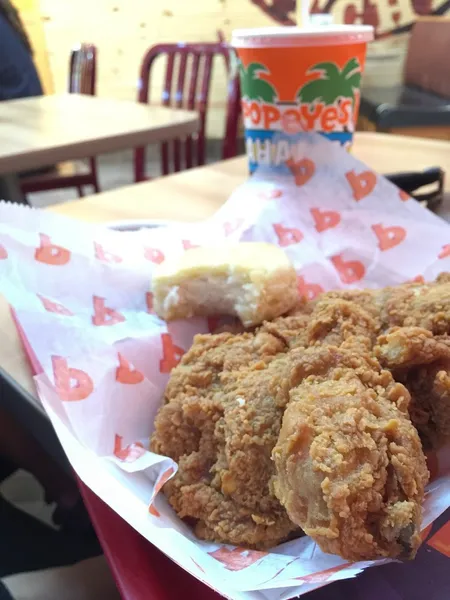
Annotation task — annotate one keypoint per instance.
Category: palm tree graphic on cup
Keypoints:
(333, 83)
(254, 88)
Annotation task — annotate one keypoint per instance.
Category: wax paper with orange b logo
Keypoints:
(81, 301)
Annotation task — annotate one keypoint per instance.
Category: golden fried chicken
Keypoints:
(425, 305)
(418, 352)
(334, 321)
(414, 322)
(402, 347)
(350, 466)
(421, 362)
(221, 420)
(429, 386)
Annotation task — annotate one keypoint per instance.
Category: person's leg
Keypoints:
(4, 592)
(19, 448)
(7, 468)
(86, 580)
(27, 544)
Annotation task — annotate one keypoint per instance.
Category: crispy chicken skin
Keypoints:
(331, 390)
(350, 467)
(221, 420)
(425, 305)
(409, 334)
(403, 347)
(429, 409)
(332, 321)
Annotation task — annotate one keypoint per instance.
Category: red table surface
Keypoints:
(140, 570)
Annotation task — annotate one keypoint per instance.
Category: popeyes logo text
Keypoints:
(323, 101)
(296, 118)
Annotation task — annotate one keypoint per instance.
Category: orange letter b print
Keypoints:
(348, 271)
(104, 315)
(388, 237)
(445, 251)
(50, 253)
(287, 235)
(126, 374)
(362, 184)
(171, 354)
(308, 290)
(325, 219)
(302, 170)
(54, 307)
(72, 385)
(104, 255)
(128, 453)
(154, 255)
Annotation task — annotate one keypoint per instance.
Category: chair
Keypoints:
(189, 92)
(82, 80)
(421, 105)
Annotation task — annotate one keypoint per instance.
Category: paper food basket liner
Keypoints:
(81, 297)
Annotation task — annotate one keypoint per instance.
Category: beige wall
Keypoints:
(31, 17)
(124, 29)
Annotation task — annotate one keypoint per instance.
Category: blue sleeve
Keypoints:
(18, 75)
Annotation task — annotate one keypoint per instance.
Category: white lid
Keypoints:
(318, 35)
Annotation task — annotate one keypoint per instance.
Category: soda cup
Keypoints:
(297, 80)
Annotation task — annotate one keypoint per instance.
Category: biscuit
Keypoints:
(254, 281)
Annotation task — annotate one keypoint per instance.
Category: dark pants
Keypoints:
(4, 594)
(27, 544)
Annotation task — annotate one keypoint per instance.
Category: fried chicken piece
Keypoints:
(349, 464)
(425, 305)
(429, 409)
(411, 346)
(342, 314)
(350, 467)
(366, 299)
(221, 420)
(417, 305)
(415, 320)
(333, 321)
(421, 362)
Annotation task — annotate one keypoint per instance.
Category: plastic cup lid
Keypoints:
(318, 35)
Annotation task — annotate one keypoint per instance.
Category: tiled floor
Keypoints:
(115, 170)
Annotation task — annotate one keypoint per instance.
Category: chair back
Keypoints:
(427, 63)
(83, 67)
(187, 83)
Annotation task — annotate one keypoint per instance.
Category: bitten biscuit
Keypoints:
(251, 280)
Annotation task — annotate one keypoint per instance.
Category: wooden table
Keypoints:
(198, 193)
(41, 131)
